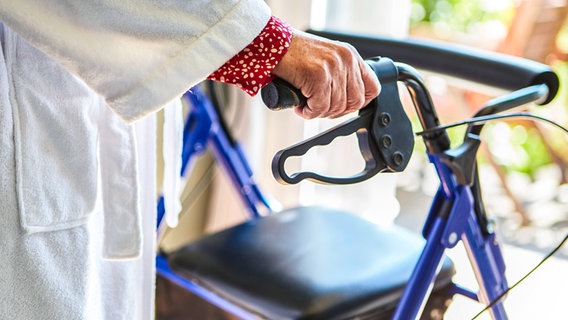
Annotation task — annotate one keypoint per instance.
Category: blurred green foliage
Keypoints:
(518, 148)
(514, 146)
(459, 15)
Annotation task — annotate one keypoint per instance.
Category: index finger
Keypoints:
(370, 81)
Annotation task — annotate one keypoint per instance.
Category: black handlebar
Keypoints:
(479, 66)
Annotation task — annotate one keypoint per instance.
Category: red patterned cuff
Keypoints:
(250, 69)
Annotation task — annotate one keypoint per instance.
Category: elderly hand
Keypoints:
(331, 74)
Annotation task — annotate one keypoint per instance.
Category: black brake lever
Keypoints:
(383, 130)
(369, 153)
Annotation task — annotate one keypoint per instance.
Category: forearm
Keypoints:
(137, 54)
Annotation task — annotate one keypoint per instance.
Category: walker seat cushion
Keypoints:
(306, 263)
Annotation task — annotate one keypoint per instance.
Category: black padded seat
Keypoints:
(306, 263)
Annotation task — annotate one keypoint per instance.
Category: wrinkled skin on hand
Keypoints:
(331, 74)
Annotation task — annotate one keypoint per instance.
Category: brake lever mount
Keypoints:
(384, 133)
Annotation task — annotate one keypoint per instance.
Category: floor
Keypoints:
(543, 295)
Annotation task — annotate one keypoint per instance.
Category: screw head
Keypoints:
(384, 119)
(397, 158)
(386, 141)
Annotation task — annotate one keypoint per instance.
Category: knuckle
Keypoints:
(345, 49)
(350, 47)
(320, 72)
(356, 101)
(375, 91)
(354, 105)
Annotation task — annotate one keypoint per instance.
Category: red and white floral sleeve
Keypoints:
(250, 69)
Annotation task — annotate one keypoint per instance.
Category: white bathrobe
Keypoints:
(73, 183)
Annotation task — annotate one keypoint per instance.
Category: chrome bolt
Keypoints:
(453, 238)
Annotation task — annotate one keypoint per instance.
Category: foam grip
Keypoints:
(279, 95)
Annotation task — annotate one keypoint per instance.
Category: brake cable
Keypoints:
(483, 120)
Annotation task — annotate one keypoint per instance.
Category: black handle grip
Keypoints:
(371, 157)
(280, 94)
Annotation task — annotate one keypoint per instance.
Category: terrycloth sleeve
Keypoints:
(138, 55)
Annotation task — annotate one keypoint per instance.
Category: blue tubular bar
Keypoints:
(447, 180)
(422, 279)
(229, 155)
(202, 128)
(483, 251)
(195, 135)
(486, 260)
(161, 211)
(164, 270)
(457, 289)
(484, 254)
(452, 218)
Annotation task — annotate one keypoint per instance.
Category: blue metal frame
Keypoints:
(441, 230)
(442, 233)
(164, 270)
(203, 129)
